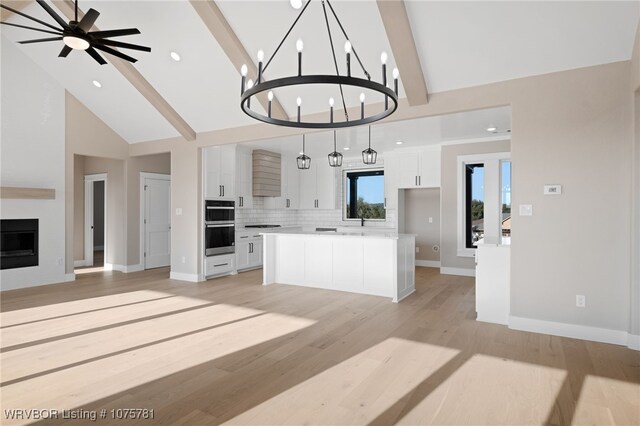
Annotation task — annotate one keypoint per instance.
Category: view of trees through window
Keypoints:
(364, 194)
(505, 196)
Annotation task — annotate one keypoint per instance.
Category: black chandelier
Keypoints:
(335, 158)
(250, 89)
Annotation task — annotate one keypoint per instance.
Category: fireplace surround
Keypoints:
(18, 243)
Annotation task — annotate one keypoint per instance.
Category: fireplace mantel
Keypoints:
(11, 192)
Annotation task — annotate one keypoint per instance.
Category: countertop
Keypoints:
(350, 234)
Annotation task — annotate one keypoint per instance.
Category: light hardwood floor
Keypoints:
(232, 351)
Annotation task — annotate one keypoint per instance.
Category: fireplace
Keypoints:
(18, 243)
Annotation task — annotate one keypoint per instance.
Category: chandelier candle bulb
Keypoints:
(299, 46)
(362, 106)
(270, 97)
(347, 49)
(243, 72)
(299, 102)
(249, 86)
(396, 74)
(260, 58)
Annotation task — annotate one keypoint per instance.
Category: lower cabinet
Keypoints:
(217, 265)
(248, 250)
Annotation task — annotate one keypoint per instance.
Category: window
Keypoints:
(364, 194)
(484, 200)
(474, 204)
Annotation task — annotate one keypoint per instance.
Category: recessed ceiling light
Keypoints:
(296, 4)
(346, 148)
(399, 143)
(175, 56)
(491, 129)
(97, 84)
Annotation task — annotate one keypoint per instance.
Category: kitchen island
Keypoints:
(375, 263)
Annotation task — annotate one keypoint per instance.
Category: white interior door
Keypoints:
(157, 221)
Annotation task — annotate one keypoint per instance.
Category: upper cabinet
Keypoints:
(244, 177)
(391, 177)
(290, 181)
(318, 187)
(420, 169)
(219, 168)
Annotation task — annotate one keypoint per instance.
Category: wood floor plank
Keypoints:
(233, 351)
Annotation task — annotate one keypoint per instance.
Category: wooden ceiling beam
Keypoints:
(14, 4)
(137, 80)
(219, 27)
(396, 24)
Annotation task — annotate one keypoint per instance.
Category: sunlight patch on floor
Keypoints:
(38, 313)
(490, 390)
(82, 271)
(114, 374)
(361, 387)
(51, 328)
(608, 401)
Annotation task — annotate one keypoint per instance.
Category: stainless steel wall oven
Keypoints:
(219, 227)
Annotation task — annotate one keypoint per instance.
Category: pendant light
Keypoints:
(369, 156)
(335, 158)
(304, 161)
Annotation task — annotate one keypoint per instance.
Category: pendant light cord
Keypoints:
(286, 35)
(353, 49)
(334, 141)
(369, 137)
(335, 62)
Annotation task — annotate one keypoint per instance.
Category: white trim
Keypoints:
(633, 341)
(506, 137)
(123, 268)
(133, 268)
(69, 277)
(465, 272)
(428, 263)
(143, 240)
(574, 331)
(79, 263)
(181, 276)
(461, 160)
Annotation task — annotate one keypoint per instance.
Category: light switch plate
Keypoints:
(526, 210)
(178, 211)
(552, 189)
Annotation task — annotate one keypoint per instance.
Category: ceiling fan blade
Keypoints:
(53, 14)
(115, 33)
(115, 53)
(31, 28)
(114, 43)
(65, 51)
(17, 12)
(88, 20)
(95, 55)
(40, 40)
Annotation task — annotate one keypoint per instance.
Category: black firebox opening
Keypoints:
(18, 243)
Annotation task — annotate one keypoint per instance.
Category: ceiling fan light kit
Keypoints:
(389, 95)
(77, 35)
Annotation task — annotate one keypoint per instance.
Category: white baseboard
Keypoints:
(134, 268)
(69, 277)
(583, 332)
(428, 263)
(180, 276)
(79, 263)
(633, 341)
(458, 271)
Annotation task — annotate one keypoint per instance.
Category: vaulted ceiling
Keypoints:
(457, 45)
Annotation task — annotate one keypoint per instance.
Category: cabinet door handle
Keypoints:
(385, 202)
(250, 247)
(223, 190)
(220, 264)
(420, 180)
(219, 190)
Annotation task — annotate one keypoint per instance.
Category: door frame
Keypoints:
(89, 180)
(143, 241)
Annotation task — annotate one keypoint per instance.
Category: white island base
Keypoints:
(379, 264)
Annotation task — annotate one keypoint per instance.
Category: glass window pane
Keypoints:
(364, 195)
(505, 189)
(475, 203)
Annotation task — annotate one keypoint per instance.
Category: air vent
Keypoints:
(266, 174)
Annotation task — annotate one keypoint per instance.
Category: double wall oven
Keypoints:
(219, 227)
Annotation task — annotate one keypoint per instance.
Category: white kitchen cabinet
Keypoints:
(391, 177)
(244, 175)
(290, 181)
(248, 250)
(419, 169)
(219, 167)
(318, 187)
(218, 265)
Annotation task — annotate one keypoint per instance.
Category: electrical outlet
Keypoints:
(417, 249)
(430, 220)
(184, 259)
(179, 213)
(581, 301)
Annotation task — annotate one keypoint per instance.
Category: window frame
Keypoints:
(492, 197)
(345, 181)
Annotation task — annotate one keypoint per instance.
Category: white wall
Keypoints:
(32, 155)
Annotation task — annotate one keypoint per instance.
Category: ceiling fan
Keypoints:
(76, 35)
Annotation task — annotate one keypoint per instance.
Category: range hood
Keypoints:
(266, 173)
